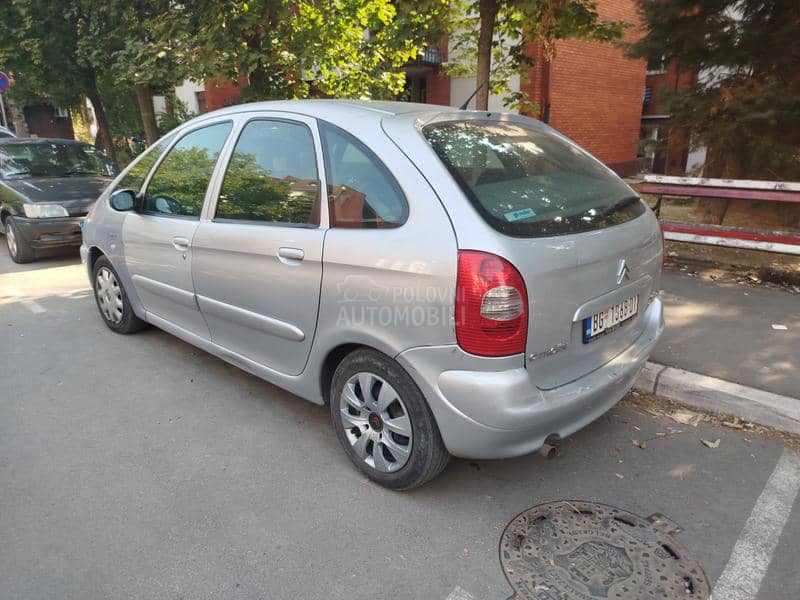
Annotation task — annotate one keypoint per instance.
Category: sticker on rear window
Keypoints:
(516, 215)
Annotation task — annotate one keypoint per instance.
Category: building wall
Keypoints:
(673, 157)
(220, 93)
(670, 79)
(462, 88)
(596, 92)
(44, 122)
(186, 92)
(591, 92)
(439, 89)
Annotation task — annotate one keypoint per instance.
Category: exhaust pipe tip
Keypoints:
(551, 447)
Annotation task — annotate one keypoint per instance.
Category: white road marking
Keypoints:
(34, 307)
(31, 305)
(753, 551)
(459, 593)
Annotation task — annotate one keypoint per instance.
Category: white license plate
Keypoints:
(609, 318)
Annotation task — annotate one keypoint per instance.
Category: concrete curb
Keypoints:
(720, 396)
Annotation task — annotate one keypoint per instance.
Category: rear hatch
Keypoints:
(581, 238)
(571, 278)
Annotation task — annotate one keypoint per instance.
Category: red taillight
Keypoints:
(491, 305)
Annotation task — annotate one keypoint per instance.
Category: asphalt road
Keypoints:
(141, 467)
(725, 330)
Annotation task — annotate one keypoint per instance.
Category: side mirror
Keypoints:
(123, 200)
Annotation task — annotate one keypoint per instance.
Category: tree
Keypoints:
(150, 58)
(505, 30)
(348, 48)
(342, 61)
(40, 46)
(745, 107)
(118, 39)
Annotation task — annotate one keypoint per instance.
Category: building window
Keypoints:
(657, 66)
(201, 101)
(417, 87)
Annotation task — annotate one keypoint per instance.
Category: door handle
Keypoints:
(291, 253)
(181, 243)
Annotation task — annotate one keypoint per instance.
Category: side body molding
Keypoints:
(251, 319)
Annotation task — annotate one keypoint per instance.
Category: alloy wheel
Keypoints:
(11, 239)
(109, 295)
(376, 422)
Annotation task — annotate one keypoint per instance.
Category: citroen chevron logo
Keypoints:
(622, 272)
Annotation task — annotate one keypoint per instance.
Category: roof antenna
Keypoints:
(477, 89)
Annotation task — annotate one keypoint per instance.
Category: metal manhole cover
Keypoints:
(583, 550)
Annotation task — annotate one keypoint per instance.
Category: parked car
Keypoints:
(46, 188)
(448, 282)
(6, 133)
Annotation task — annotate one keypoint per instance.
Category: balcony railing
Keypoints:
(428, 57)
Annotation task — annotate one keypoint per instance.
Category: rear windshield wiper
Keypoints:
(619, 205)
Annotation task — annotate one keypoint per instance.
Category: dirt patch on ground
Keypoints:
(766, 266)
(779, 216)
(708, 267)
(684, 418)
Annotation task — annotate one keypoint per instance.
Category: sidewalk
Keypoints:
(725, 330)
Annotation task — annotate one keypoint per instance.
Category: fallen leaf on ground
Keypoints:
(735, 424)
(682, 470)
(685, 417)
(639, 444)
(709, 444)
(619, 475)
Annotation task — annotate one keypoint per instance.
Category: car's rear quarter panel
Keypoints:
(390, 288)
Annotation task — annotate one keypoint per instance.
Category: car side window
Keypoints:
(134, 178)
(178, 187)
(272, 176)
(362, 193)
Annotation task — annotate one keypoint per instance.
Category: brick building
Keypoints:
(591, 92)
(668, 152)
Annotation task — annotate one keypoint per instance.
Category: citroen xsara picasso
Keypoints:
(449, 282)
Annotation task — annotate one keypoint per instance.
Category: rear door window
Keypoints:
(272, 176)
(527, 182)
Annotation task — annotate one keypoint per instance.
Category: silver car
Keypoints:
(450, 283)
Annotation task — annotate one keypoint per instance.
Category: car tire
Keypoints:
(19, 249)
(112, 299)
(371, 426)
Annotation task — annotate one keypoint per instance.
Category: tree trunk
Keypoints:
(144, 97)
(487, 10)
(103, 130)
(170, 100)
(724, 163)
(17, 118)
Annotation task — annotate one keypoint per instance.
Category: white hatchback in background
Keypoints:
(450, 282)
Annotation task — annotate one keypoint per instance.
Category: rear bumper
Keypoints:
(50, 233)
(491, 409)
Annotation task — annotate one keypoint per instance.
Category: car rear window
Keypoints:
(527, 182)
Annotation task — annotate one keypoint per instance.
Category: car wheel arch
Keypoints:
(94, 253)
(332, 360)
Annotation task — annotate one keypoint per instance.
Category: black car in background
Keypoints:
(46, 187)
